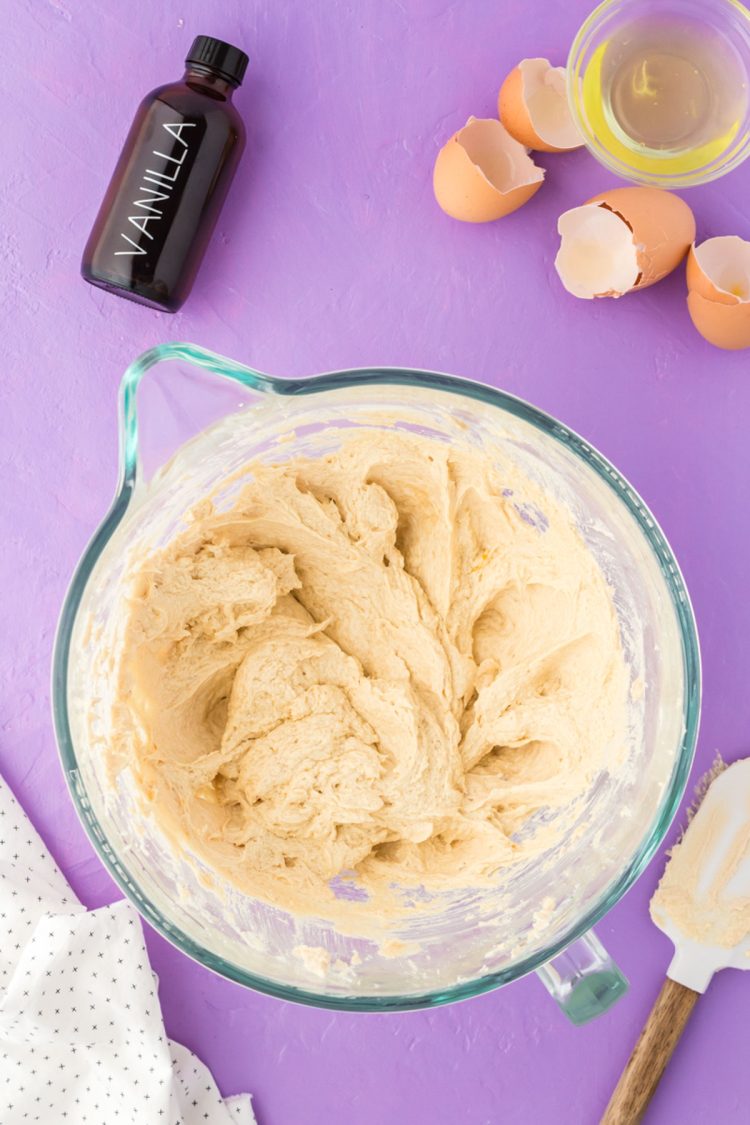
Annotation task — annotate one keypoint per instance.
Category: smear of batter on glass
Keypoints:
(369, 674)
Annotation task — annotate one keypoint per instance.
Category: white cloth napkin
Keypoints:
(81, 1032)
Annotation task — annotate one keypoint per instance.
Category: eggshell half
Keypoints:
(719, 269)
(533, 107)
(724, 326)
(482, 173)
(647, 234)
(718, 278)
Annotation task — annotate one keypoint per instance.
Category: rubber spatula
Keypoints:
(703, 905)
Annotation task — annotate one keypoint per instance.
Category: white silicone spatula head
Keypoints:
(703, 900)
(703, 905)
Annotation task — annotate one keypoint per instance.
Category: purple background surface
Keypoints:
(332, 253)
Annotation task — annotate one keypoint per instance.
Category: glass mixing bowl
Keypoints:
(201, 418)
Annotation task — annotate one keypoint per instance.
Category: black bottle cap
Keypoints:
(228, 61)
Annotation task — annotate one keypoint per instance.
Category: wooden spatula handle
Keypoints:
(651, 1054)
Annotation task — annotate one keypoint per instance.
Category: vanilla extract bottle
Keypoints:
(170, 182)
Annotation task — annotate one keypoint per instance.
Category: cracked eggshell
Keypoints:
(718, 279)
(533, 107)
(482, 173)
(622, 240)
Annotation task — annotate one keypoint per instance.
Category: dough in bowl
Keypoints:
(370, 672)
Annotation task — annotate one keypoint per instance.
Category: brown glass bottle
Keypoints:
(170, 182)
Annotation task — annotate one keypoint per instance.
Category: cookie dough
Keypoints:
(368, 674)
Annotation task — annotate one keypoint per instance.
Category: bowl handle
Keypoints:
(583, 979)
(187, 389)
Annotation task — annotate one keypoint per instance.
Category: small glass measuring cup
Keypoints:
(682, 67)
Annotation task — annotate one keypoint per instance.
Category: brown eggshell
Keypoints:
(699, 281)
(663, 228)
(513, 110)
(483, 173)
(724, 326)
(597, 255)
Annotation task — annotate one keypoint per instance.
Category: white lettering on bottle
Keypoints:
(176, 130)
(140, 221)
(171, 159)
(162, 189)
(132, 253)
(163, 178)
(155, 197)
